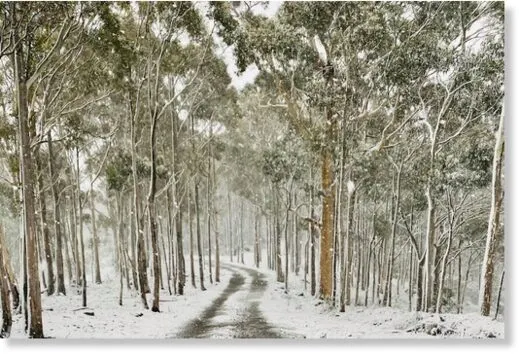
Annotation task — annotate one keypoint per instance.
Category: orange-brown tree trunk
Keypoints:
(326, 282)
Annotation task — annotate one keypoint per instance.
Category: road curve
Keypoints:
(243, 318)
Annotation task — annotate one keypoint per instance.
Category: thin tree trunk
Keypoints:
(458, 298)
(279, 270)
(74, 241)
(81, 239)
(345, 299)
(396, 207)
(487, 272)
(209, 212)
(95, 239)
(242, 217)
(57, 219)
(217, 251)
(47, 249)
(168, 251)
(191, 245)
(444, 265)
(257, 249)
(231, 249)
(467, 274)
(66, 243)
(120, 232)
(357, 281)
(199, 238)
(289, 207)
(366, 294)
(137, 220)
(410, 285)
(499, 293)
(167, 260)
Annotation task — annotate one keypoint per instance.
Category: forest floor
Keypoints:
(247, 303)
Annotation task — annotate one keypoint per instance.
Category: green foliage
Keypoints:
(119, 170)
(283, 161)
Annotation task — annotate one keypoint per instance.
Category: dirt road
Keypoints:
(235, 313)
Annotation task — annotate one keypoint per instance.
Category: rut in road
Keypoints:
(251, 324)
(199, 327)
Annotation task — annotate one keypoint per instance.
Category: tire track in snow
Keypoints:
(199, 328)
(251, 323)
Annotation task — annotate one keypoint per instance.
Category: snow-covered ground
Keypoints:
(298, 312)
(63, 316)
(295, 314)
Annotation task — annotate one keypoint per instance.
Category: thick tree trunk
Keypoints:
(494, 224)
(141, 256)
(165, 249)
(429, 256)
(326, 272)
(152, 219)
(181, 264)
(27, 179)
(420, 285)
